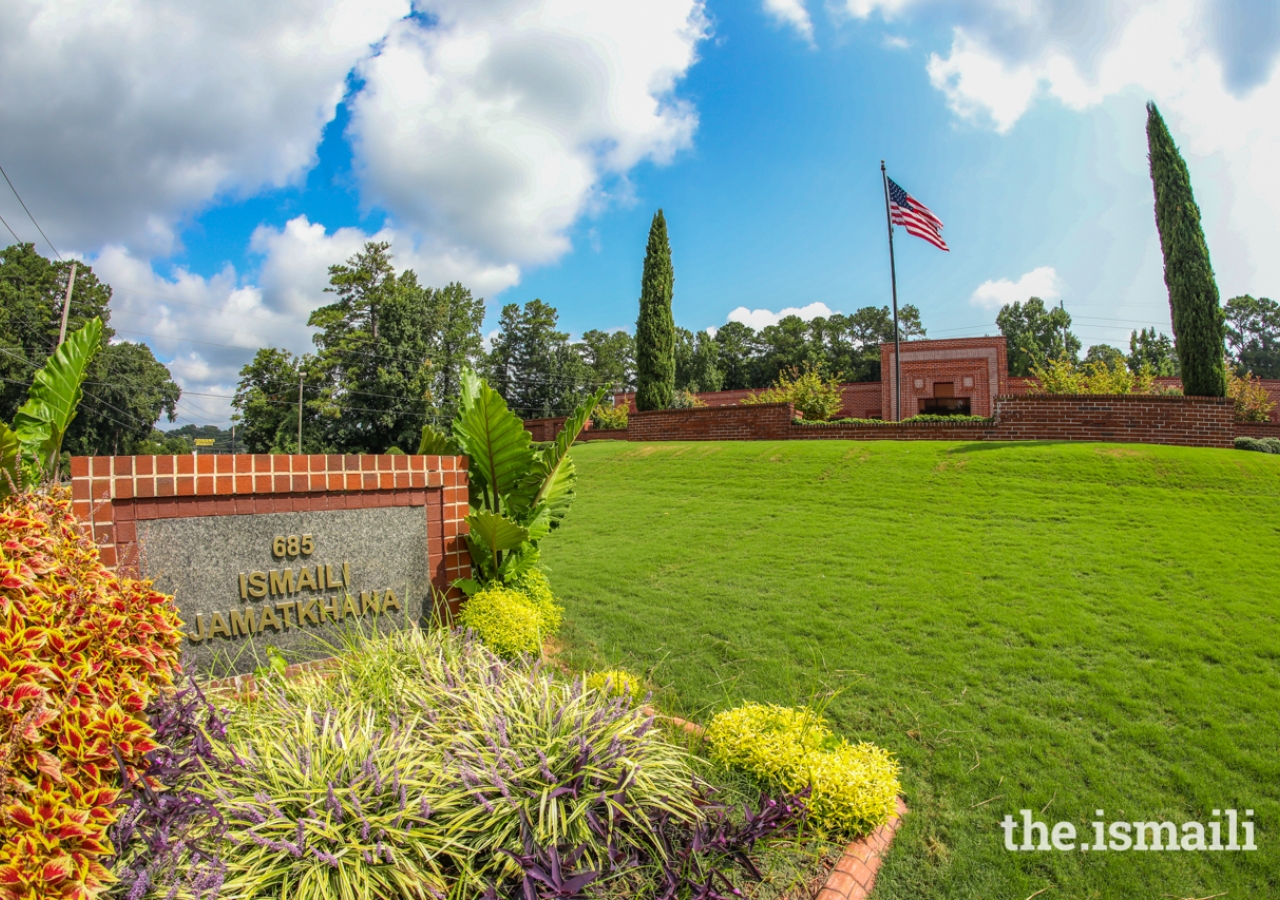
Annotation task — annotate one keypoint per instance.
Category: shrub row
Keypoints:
(1258, 445)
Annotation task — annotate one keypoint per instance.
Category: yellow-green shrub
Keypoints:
(615, 682)
(609, 418)
(815, 396)
(533, 584)
(1253, 403)
(1063, 376)
(505, 619)
(854, 787)
(82, 652)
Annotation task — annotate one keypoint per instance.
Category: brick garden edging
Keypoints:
(111, 494)
(855, 872)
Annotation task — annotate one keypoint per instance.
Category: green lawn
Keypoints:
(1062, 626)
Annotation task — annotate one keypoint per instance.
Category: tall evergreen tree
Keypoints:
(1198, 325)
(656, 329)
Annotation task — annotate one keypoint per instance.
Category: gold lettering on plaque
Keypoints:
(349, 606)
(306, 580)
(244, 589)
(242, 621)
(257, 585)
(329, 580)
(286, 608)
(388, 599)
(331, 610)
(268, 617)
(281, 583)
(218, 626)
(307, 609)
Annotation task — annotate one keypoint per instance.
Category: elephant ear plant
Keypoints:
(519, 491)
(30, 447)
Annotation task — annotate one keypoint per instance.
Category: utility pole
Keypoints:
(1062, 305)
(299, 412)
(66, 304)
(233, 438)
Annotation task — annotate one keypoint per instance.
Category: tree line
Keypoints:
(126, 390)
(389, 351)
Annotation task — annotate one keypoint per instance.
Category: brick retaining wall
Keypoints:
(766, 422)
(1257, 429)
(1126, 418)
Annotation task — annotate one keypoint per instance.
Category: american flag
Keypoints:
(914, 216)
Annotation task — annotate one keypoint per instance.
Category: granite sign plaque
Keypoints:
(297, 581)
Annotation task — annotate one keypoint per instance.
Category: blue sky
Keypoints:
(522, 146)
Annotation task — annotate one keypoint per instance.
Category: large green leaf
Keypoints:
(499, 532)
(10, 480)
(557, 494)
(54, 396)
(491, 536)
(495, 441)
(551, 481)
(437, 443)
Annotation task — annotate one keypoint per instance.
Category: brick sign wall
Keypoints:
(208, 524)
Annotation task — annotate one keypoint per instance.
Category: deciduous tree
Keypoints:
(1036, 335)
(1253, 335)
(1153, 351)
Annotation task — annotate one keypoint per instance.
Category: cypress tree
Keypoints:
(1198, 322)
(656, 329)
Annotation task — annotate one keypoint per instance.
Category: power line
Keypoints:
(29, 216)
(11, 231)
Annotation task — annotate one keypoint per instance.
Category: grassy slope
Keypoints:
(1080, 626)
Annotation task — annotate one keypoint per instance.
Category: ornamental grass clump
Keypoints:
(427, 766)
(853, 787)
(82, 653)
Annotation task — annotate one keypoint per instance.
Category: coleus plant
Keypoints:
(82, 653)
(519, 491)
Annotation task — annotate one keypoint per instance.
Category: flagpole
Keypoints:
(893, 280)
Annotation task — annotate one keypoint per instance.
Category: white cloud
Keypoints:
(791, 14)
(1212, 66)
(496, 127)
(122, 118)
(1176, 52)
(895, 42)
(761, 318)
(1042, 282)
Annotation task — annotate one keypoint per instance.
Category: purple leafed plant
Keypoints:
(162, 837)
(697, 864)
